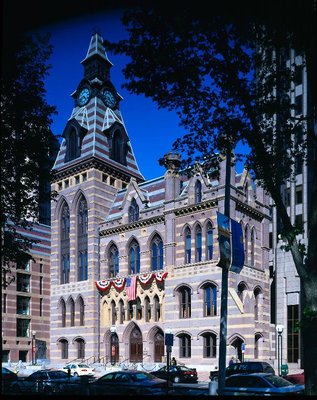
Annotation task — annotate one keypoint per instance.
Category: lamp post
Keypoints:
(113, 331)
(279, 330)
(33, 347)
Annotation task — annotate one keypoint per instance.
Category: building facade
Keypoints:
(132, 258)
(26, 304)
(296, 193)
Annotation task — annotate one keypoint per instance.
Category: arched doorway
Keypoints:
(237, 344)
(158, 346)
(136, 345)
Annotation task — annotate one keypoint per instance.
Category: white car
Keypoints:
(79, 369)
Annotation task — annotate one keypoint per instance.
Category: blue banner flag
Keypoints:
(237, 247)
(224, 240)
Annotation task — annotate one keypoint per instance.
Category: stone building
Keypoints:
(132, 258)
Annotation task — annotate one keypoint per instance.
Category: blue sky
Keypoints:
(151, 131)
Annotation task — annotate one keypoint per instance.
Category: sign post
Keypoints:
(169, 339)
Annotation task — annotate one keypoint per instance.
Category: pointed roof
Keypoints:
(96, 48)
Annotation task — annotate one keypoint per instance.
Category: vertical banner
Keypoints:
(224, 240)
(237, 247)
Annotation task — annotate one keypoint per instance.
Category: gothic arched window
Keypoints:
(252, 247)
(113, 312)
(65, 250)
(134, 258)
(121, 312)
(138, 309)
(64, 348)
(157, 308)
(246, 243)
(184, 302)
(81, 311)
(82, 239)
(184, 345)
(209, 242)
(157, 253)
(198, 243)
(63, 313)
(147, 309)
(210, 348)
(71, 305)
(188, 244)
(113, 261)
(210, 300)
(133, 211)
(198, 192)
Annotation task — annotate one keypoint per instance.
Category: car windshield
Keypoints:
(142, 377)
(83, 366)
(278, 381)
(57, 375)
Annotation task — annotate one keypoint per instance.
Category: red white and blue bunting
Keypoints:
(161, 276)
(120, 282)
(103, 285)
(146, 278)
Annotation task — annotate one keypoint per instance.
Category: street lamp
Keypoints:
(279, 330)
(33, 347)
(113, 331)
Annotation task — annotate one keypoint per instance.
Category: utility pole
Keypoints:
(224, 287)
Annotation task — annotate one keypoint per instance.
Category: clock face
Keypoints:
(83, 96)
(109, 98)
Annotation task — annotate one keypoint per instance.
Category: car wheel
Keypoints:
(176, 379)
(75, 374)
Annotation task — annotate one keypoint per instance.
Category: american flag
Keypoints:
(131, 288)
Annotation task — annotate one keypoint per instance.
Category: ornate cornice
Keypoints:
(130, 227)
(192, 208)
(247, 209)
(92, 162)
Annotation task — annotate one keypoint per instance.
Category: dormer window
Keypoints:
(133, 211)
(119, 147)
(73, 135)
(198, 192)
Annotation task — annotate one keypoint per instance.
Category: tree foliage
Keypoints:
(26, 144)
(226, 77)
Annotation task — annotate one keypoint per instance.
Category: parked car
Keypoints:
(177, 373)
(247, 367)
(260, 384)
(7, 377)
(44, 381)
(296, 378)
(79, 369)
(128, 382)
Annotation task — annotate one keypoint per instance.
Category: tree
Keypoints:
(226, 77)
(27, 144)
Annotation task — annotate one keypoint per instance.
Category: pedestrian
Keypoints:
(232, 360)
(173, 361)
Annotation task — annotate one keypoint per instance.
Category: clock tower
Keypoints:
(95, 160)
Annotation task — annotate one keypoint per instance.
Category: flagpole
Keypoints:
(224, 287)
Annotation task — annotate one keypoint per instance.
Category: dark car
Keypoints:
(247, 367)
(45, 381)
(260, 384)
(7, 377)
(296, 378)
(177, 374)
(128, 382)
